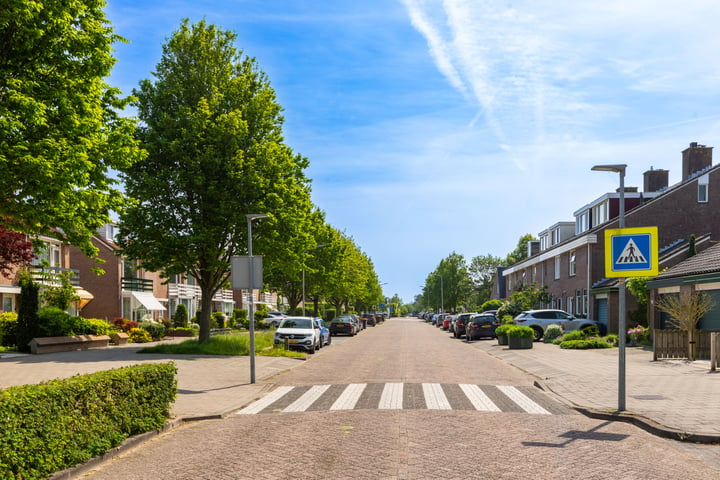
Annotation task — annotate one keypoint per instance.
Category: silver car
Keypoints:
(539, 320)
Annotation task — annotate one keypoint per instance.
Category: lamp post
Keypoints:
(251, 311)
(303, 273)
(442, 296)
(619, 168)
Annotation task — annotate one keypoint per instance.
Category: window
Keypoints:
(557, 267)
(571, 264)
(8, 304)
(582, 222)
(703, 189)
(570, 304)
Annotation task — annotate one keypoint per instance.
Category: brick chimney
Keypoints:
(655, 180)
(695, 158)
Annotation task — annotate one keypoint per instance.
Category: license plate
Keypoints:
(293, 341)
(486, 326)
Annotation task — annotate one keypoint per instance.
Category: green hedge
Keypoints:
(584, 344)
(58, 424)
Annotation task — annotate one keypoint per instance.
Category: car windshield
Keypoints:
(296, 323)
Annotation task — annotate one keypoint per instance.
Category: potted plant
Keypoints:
(501, 333)
(520, 337)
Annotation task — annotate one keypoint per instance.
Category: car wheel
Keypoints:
(329, 339)
(538, 334)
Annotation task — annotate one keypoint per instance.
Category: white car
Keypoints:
(274, 318)
(300, 333)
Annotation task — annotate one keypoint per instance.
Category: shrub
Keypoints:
(167, 322)
(218, 320)
(8, 329)
(27, 322)
(58, 424)
(139, 335)
(180, 317)
(572, 336)
(507, 319)
(503, 329)
(519, 331)
(591, 331)
(98, 326)
(156, 330)
(584, 344)
(552, 332)
(612, 339)
(639, 335)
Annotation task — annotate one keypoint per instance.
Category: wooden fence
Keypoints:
(674, 344)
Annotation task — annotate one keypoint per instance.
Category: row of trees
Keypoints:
(205, 150)
(456, 284)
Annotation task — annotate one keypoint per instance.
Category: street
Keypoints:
(405, 400)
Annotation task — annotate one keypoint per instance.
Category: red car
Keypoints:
(447, 322)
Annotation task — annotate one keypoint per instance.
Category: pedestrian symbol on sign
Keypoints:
(631, 254)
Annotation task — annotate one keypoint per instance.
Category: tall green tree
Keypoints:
(212, 127)
(482, 271)
(60, 128)
(521, 251)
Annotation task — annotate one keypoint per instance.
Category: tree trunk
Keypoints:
(692, 345)
(205, 315)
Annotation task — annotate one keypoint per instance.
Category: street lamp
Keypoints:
(251, 311)
(442, 295)
(303, 273)
(619, 168)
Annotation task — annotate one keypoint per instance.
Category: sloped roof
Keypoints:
(707, 261)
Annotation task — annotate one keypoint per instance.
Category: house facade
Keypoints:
(52, 260)
(571, 263)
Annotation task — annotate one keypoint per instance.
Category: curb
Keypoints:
(635, 419)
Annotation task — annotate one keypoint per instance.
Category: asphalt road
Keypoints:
(401, 401)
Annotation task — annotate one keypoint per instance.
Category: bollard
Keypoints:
(287, 343)
(713, 350)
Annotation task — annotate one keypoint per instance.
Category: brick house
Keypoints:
(55, 258)
(127, 291)
(570, 263)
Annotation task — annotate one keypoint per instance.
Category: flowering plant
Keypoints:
(639, 335)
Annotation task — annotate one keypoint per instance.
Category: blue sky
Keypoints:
(435, 127)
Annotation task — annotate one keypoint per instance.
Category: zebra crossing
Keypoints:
(405, 396)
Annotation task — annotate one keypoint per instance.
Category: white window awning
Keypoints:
(9, 289)
(148, 301)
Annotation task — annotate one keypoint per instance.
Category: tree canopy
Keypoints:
(213, 131)
(61, 133)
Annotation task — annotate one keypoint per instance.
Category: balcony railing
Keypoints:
(49, 275)
(134, 284)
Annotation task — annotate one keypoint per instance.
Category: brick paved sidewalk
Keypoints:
(673, 398)
(208, 386)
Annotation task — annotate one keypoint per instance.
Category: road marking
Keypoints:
(307, 399)
(287, 399)
(392, 397)
(435, 398)
(349, 397)
(266, 401)
(522, 400)
(478, 398)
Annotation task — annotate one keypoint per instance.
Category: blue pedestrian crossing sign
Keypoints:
(631, 252)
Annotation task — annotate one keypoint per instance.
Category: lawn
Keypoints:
(232, 344)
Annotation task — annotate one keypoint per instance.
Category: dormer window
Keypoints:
(703, 189)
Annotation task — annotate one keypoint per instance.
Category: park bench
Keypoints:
(67, 344)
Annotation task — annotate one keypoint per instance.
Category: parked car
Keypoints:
(379, 318)
(460, 323)
(539, 320)
(274, 318)
(343, 325)
(301, 333)
(447, 321)
(481, 325)
(368, 318)
(358, 324)
(325, 337)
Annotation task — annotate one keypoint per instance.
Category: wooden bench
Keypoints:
(68, 344)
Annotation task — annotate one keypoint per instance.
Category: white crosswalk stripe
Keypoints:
(391, 396)
(478, 398)
(266, 401)
(307, 399)
(435, 398)
(522, 400)
(349, 398)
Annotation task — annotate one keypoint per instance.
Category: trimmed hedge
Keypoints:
(61, 423)
(584, 344)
